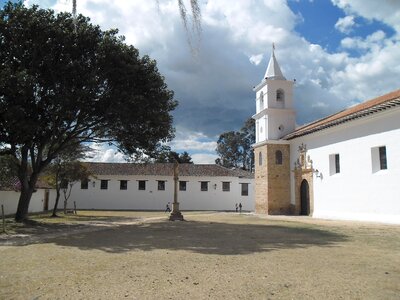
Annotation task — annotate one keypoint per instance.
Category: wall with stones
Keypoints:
(272, 180)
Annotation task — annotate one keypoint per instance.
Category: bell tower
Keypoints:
(274, 118)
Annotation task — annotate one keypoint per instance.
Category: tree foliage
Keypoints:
(60, 85)
(168, 156)
(234, 147)
(64, 171)
(8, 170)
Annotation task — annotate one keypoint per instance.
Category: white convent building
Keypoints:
(344, 166)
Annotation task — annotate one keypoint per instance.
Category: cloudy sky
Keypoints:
(340, 52)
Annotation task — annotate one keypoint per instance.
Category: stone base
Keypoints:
(176, 216)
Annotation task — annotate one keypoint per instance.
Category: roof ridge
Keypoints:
(347, 114)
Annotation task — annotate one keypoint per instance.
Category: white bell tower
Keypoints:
(275, 116)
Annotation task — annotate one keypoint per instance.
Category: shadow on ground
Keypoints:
(53, 226)
(201, 237)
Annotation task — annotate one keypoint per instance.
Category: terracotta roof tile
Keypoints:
(164, 169)
(13, 184)
(361, 110)
(10, 184)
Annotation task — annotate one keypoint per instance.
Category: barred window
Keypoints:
(142, 185)
(161, 185)
(123, 185)
(104, 184)
(182, 185)
(226, 186)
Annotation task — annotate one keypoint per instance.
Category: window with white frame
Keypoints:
(245, 189)
(142, 185)
(226, 186)
(334, 164)
(382, 158)
(104, 184)
(379, 158)
(182, 185)
(204, 186)
(161, 185)
(123, 184)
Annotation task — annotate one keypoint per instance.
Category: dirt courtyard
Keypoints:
(209, 256)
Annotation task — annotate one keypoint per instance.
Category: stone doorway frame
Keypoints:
(303, 170)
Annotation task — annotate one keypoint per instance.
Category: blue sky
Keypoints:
(341, 52)
(317, 21)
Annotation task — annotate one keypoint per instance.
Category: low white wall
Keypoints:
(358, 192)
(10, 201)
(153, 199)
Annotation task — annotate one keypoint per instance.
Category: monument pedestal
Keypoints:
(176, 214)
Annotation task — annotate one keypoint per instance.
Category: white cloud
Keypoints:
(345, 24)
(104, 153)
(215, 89)
(193, 144)
(386, 11)
(256, 59)
(374, 40)
(202, 158)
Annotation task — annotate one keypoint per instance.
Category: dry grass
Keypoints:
(137, 255)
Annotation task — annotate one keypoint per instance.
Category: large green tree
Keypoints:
(234, 147)
(165, 155)
(61, 84)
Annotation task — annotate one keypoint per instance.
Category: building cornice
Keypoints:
(275, 111)
(272, 142)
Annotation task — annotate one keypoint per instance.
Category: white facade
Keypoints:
(113, 198)
(350, 178)
(360, 191)
(10, 201)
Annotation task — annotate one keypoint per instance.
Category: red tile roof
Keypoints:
(13, 184)
(361, 110)
(164, 169)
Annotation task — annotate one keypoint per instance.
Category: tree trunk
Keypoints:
(23, 204)
(27, 188)
(28, 184)
(54, 214)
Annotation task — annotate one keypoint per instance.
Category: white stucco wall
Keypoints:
(270, 91)
(10, 201)
(357, 192)
(153, 199)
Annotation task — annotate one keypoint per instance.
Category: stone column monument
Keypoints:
(176, 214)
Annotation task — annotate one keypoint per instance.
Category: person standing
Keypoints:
(167, 208)
(236, 207)
(240, 207)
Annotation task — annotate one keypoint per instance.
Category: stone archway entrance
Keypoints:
(304, 198)
(303, 180)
